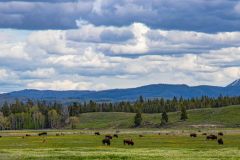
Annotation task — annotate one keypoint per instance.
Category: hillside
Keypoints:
(210, 117)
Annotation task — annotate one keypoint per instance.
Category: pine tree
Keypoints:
(5, 109)
(183, 114)
(138, 119)
(164, 119)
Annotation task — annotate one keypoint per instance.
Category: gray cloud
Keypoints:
(190, 15)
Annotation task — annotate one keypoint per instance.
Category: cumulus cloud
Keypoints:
(100, 57)
(65, 85)
(40, 73)
(13, 50)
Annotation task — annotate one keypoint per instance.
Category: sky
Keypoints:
(104, 44)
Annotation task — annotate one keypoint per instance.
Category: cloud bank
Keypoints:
(104, 56)
(189, 15)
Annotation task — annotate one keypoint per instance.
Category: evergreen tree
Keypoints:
(183, 114)
(164, 119)
(138, 119)
(5, 109)
(141, 100)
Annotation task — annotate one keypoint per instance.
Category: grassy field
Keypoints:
(80, 145)
(173, 143)
(210, 117)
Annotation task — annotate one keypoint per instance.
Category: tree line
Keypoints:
(42, 114)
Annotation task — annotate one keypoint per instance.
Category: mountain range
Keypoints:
(149, 91)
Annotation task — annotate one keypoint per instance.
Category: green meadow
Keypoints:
(84, 145)
(173, 143)
(225, 117)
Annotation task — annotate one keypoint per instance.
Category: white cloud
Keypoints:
(55, 59)
(14, 50)
(40, 73)
(51, 41)
(65, 85)
(88, 58)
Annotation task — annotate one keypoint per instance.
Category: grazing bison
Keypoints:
(204, 134)
(42, 134)
(108, 136)
(97, 133)
(220, 133)
(128, 142)
(57, 134)
(106, 141)
(212, 137)
(193, 135)
(115, 135)
(140, 135)
(27, 135)
(220, 141)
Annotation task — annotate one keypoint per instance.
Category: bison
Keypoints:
(115, 135)
(128, 142)
(204, 134)
(193, 135)
(140, 135)
(28, 135)
(106, 141)
(108, 136)
(212, 137)
(42, 134)
(220, 141)
(97, 133)
(220, 133)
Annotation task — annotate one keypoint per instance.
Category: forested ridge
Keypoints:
(43, 115)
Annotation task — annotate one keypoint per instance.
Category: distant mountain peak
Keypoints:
(235, 83)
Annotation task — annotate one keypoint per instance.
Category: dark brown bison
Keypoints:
(220, 141)
(220, 133)
(115, 135)
(42, 134)
(106, 141)
(212, 137)
(97, 133)
(108, 136)
(140, 135)
(193, 135)
(28, 135)
(57, 134)
(204, 134)
(128, 142)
